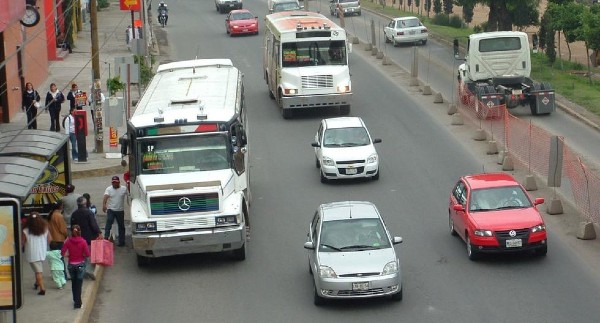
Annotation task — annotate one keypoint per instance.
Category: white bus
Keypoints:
(188, 162)
(306, 62)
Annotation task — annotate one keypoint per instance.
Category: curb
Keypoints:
(89, 297)
(97, 172)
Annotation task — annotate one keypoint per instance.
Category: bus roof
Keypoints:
(186, 89)
(287, 21)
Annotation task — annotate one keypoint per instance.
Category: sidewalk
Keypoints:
(57, 305)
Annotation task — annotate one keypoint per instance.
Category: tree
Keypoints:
(427, 7)
(467, 9)
(567, 18)
(590, 33)
(504, 13)
(549, 38)
(437, 6)
(448, 4)
(524, 14)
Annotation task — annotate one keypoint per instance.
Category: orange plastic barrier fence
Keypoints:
(584, 185)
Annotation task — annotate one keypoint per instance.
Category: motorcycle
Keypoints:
(162, 18)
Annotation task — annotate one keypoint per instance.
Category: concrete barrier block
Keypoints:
(479, 135)
(386, 61)
(368, 47)
(492, 147)
(379, 55)
(374, 51)
(500, 158)
(586, 231)
(457, 119)
(414, 81)
(507, 163)
(554, 206)
(452, 109)
(530, 183)
(427, 90)
(355, 40)
(438, 98)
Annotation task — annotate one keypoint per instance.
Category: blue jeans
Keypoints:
(73, 146)
(110, 219)
(76, 272)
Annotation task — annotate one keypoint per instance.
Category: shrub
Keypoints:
(456, 22)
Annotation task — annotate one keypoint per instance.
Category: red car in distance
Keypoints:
(493, 213)
(239, 22)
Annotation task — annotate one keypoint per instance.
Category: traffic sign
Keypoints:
(131, 5)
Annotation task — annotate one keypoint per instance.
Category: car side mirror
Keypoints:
(538, 201)
(397, 240)
(458, 207)
(376, 141)
(315, 144)
(301, 7)
(455, 46)
(309, 245)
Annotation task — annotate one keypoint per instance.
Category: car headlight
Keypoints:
(483, 233)
(327, 162)
(343, 88)
(226, 220)
(538, 228)
(390, 268)
(235, 27)
(326, 272)
(252, 25)
(290, 91)
(145, 227)
(372, 159)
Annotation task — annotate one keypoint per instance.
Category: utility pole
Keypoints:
(96, 102)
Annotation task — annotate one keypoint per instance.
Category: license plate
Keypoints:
(514, 243)
(245, 30)
(360, 286)
(350, 171)
(517, 92)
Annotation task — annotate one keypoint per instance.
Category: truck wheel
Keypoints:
(143, 261)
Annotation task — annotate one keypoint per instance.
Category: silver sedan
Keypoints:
(351, 254)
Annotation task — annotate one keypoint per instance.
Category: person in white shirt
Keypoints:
(114, 207)
(69, 126)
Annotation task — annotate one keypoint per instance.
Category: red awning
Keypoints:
(11, 11)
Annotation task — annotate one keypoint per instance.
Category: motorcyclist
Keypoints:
(162, 7)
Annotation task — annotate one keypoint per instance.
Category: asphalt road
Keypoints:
(421, 160)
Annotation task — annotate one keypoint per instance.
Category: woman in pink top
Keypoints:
(77, 249)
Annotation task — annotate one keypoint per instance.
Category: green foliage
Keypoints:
(550, 45)
(103, 4)
(437, 6)
(468, 13)
(427, 5)
(443, 19)
(524, 13)
(114, 85)
(448, 6)
(146, 73)
(591, 28)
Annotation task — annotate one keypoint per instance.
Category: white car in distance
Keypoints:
(344, 150)
(405, 30)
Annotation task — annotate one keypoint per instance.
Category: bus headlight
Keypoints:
(290, 91)
(145, 227)
(343, 88)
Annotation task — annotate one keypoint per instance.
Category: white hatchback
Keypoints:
(405, 30)
(344, 149)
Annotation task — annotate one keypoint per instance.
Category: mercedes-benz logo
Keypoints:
(511, 233)
(185, 203)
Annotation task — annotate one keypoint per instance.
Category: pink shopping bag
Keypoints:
(102, 252)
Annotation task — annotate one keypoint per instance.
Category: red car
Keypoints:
(240, 22)
(493, 213)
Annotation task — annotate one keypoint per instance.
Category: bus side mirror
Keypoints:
(124, 142)
(455, 43)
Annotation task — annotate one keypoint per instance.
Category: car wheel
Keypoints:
(387, 40)
(394, 43)
(318, 300)
(324, 179)
(542, 251)
(451, 225)
(142, 261)
(317, 164)
(376, 176)
(471, 252)
(310, 269)
(423, 42)
(359, 13)
(240, 254)
(398, 296)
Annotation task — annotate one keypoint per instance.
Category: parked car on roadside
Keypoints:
(405, 30)
(344, 149)
(239, 22)
(348, 7)
(351, 253)
(493, 213)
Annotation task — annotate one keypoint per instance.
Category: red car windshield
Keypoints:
(242, 16)
(498, 198)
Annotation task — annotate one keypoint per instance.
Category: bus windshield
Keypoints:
(170, 155)
(314, 53)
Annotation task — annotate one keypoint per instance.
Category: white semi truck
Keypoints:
(497, 72)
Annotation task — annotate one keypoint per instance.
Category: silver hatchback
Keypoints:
(351, 253)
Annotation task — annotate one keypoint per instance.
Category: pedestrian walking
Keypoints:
(54, 100)
(85, 219)
(35, 239)
(31, 103)
(69, 202)
(75, 98)
(69, 126)
(89, 204)
(58, 233)
(114, 207)
(57, 267)
(78, 251)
